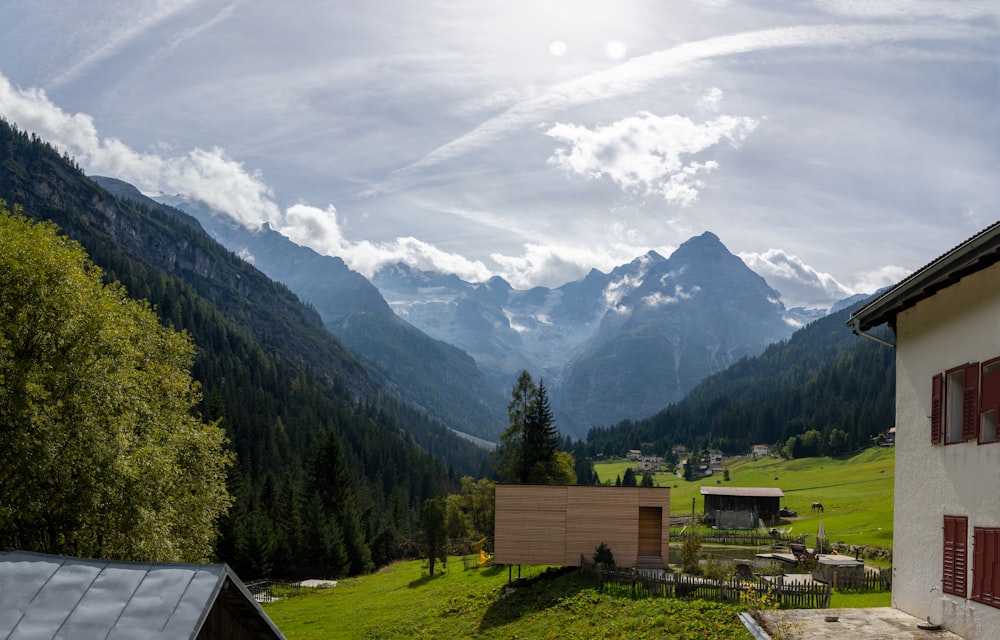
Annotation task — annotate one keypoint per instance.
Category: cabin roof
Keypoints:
(745, 492)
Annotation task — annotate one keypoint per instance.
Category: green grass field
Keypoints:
(401, 601)
(856, 492)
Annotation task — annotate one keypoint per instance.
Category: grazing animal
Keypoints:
(818, 506)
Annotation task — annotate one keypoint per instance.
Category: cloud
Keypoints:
(646, 153)
(143, 17)
(640, 72)
(800, 285)
(965, 10)
(206, 175)
(658, 299)
(875, 279)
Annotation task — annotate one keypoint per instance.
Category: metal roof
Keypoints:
(976, 253)
(46, 596)
(748, 492)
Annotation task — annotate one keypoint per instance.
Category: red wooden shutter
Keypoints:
(970, 402)
(955, 569)
(985, 574)
(937, 387)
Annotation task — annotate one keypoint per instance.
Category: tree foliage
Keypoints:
(102, 453)
(529, 448)
(433, 535)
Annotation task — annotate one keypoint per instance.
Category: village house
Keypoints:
(713, 459)
(650, 463)
(760, 451)
(633, 454)
(945, 318)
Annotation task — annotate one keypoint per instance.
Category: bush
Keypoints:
(690, 547)
(603, 557)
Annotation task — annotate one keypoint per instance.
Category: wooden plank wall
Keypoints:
(538, 524)
(530, 525)
(602, 514)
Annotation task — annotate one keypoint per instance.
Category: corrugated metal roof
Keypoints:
(749, 492)
(46, 596)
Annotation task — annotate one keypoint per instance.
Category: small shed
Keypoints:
(741, 507)
(839, 571)
(46, 596)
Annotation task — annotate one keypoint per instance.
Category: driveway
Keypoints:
(882, 623)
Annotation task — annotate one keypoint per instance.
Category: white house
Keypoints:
(760, 451)
(946, 546)
(650, 463)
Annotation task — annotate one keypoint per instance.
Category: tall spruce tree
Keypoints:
(529, 447)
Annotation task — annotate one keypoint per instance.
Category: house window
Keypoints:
(989, 401)
(953, 574)
(958, 415)
(986, 566)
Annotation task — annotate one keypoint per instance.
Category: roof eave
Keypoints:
(975, 254)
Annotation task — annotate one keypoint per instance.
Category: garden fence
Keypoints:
(661, 584)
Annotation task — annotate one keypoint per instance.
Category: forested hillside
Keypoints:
(330, 470)
(823, 378)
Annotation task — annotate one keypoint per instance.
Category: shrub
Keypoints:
(603, 556)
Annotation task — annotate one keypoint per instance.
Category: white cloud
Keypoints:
(964, 10)
(800, 284)
(648, 154)
(638, 73)
(658, 299)
(209, 176)
(711, 100)
(875, 279)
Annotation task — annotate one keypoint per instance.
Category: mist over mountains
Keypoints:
(610, 346)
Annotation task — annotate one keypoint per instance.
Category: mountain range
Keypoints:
(610, 346)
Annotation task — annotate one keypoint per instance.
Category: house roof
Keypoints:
(975, 254)
(743, 492)
(46, 596)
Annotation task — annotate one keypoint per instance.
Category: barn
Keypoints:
(559, 524)
(741, 507)
(46, 596)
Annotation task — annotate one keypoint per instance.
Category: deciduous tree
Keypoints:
(101, 453)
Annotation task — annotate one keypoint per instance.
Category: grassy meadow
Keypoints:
(856, 492)
(401, 601)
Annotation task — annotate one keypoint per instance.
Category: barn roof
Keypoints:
(46, 596)
(743, 492)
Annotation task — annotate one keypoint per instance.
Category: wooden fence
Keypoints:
(745, 538)
(872, 580)
(664, 585)
(263, 590)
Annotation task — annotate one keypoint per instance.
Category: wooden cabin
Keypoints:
(559, 524)
(741, 507)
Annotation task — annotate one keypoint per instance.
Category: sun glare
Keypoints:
(616, 50)
(557, 48)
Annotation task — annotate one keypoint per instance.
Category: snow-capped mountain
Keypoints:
(611, 345)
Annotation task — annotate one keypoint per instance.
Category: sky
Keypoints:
(834, 145)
